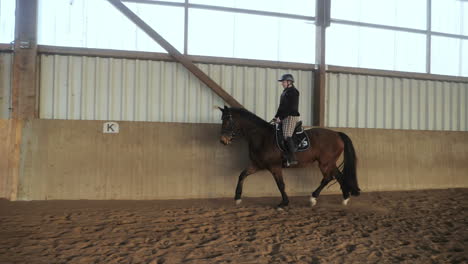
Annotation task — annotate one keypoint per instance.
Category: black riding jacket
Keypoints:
(289, 103)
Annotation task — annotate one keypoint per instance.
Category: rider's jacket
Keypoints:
(289, 103)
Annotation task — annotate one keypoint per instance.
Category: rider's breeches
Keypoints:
(289, 123)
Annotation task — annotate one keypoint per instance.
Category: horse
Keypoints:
(326, 146)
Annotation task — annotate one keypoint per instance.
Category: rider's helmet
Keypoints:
(286, 77)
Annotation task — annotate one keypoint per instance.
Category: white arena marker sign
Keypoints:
(110, 127)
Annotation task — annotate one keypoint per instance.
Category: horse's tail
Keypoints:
(349, 169)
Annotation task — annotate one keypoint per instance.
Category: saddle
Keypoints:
(301, 140)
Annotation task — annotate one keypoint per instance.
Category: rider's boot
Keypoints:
(290, 153)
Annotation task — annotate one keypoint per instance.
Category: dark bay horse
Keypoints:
(326, 146)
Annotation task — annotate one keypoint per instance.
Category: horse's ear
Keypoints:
(220, 109)
(225, 107)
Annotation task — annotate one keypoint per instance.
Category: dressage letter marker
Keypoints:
(110, 127)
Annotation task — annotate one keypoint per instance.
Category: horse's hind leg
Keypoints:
(328, 173)
(344, 189)
(250, 170)
(316, 193)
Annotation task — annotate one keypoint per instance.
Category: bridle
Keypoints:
(230, 129)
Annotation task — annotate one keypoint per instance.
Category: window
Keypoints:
(375, 48)
(450, 16)
(7, 20)
(173, 1)
(250, 36)
(381, 34)
(398, 13)
(371, 46)
(207, 38)
(393, 35)
(97, 24)
(449, 56)
(295, 7)
(168, 21)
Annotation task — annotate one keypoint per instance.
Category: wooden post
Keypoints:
(319, 86)
(24, 60)
(322, 21)
(23, 94)
(175, 53)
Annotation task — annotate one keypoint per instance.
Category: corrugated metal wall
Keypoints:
(6, 64)
(92, 88)
(362, 101)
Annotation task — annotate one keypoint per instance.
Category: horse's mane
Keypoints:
(250, 116)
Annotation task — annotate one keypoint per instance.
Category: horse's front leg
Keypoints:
(249, 170)
(278, 175)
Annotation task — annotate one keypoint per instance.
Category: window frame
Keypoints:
(428, 32)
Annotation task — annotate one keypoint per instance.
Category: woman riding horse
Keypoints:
(288, 114)
(326, 146)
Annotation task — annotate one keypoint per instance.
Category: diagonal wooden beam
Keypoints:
(175, 53)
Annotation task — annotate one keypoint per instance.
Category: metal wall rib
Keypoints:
(362, 101)
(6, 64)
(93, 88)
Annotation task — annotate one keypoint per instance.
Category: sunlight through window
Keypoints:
(7, 20)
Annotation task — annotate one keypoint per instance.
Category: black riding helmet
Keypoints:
(286, 77)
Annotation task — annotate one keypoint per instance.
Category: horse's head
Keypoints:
(228, 129)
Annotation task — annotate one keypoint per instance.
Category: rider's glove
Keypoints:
(275, 120)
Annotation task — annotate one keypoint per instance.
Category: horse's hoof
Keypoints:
(238, 201)
(281, 207)
(313, 201)
(345, 201)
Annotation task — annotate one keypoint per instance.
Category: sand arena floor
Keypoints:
(381, 227)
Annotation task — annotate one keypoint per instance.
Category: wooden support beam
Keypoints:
(23, 94)
(322, 22)
(175, 53)
(319, 81)
(24, 61)
(14, 136)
